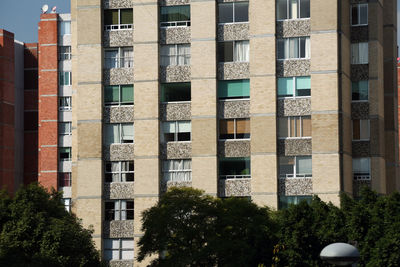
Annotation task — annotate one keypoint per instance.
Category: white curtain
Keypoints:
(123, 210)
(294, 47)
(177, 170)
(168, 55)
(184, 127)
(169, 127)
(183, 57)
(127, 132)
(112, 134)
(308, 48)
(116, 210)
(127, 250)
(294, 9)
(303, 165)
(111, 59)
(363, 53)
(127, 61)
(242, 51)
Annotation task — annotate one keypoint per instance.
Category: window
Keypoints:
(64, 128)
(118, 94)
(361, 169)
(119, 171)
(118, 19)
(360, 129)
(294, 86)
(233, 12)
(177, 170)
(64, 153)
(175, 92)
(64, 27)
(118, 249)
(174, 131)
(295, 167)
(359, 53)
(359, 91)
(286, 201)
(295, 126)
(64, 78)
(177, 54)
(234, 168)
(293, 9)
(119, 133)
(359, 15)
(234, 89)
(119, 210)
(233, 51)
(174, 16)
(234, 129)
(119, 58)
(65, 103)
(64, 53)
(67, 204)
(64, 179)
(294, 48)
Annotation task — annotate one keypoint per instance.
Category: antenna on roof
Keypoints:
(45, 8)
(53, 10)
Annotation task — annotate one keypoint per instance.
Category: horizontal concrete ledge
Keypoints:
(145, 81)
(146, 43)
(204, 78)
(147, 157)
(93, 82)
(88, 197)
(205, 156)
(146, 119)
(264, 154)
(267, 35)
(50, 171)
(146, 195)
(89, 121)
(48, 70)
(137, 235)
(325, 31)
(324, 72)
(327, 193)
(264, 193)
(262, 75)
(92, 158)
(204, 117)
(90, 45)
(263, 114)
(48, 44)
(48, 95)
(210, 39)
(145, 4)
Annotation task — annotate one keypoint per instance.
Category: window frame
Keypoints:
(65, 159)
(117, 211)
(64, 108)
(234, 176)
(62, 55)
(233, 12)
(295, 175)
(234, 59)
(66, 182)
(364, 100)
(67, 204)
(61, 78)
(175, 24)
(187, 58)
(119, 103)
(119, 172)
(287, 43)
(298, 199)
(358, 13)
(165, 86)
(357, 58)
(289, 119)
(361, 121)
(176, 133)
(121, 139)
(234, 129)
(298, 11)
(120, 249)
(362, 176)
(60, 26)
(294, 79)
(70, 128)
(176, 171)
(119, 26)
(120, 60)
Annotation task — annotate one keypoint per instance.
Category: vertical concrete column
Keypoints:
(377, 107)
(325, 100)
(146, 121)
(48, 101)
(390, 83)
(204, 96)
(264, 175)
(87, 108)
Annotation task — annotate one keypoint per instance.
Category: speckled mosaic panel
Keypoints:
(359, 34)
(176, 111)
(233, 70)
(234, 148)
(167, 185)
(294, 107)
(294, 147)
(118, 76)
(234, 188)
(234, 109)
(173, 2)
(360, 149)
(118, 38)
(118, 229)
(234, 31)
(293, 28)
(170, 74)
(360, 110)
(359, 72)
(293, 67)
(117, 152)
(176, 150)
(358, 185)
(117, 4)
(119, 190)
(118, 114)
(121, 263)
(175, 35)
(295, 186)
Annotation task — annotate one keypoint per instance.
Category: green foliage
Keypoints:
(37, 231)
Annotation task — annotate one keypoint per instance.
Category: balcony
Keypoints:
(177, 150)
(233, 70)
(118, 35)
(234, 148)
(118, 70)
(234, 108)
(234, 186)
(118, 229)
(118, 152)
(174, 111)
(294, 185)
(233, 31)
(117, 190)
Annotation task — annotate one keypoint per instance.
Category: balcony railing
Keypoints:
(361, 177)
(295, 175)
(118, 27)
(178, 176)
(185, 23)
(118, 62)
(234, 176)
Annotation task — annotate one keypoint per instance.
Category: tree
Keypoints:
(36, 230)
(189, 228)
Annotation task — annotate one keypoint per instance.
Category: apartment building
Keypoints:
(272, 100)
(55, 112)
(18, 112)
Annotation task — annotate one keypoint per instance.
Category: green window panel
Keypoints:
(175, 13)
(234, 89)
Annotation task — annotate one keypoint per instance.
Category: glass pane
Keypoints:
(111, 17)
(184, 126)
(175, 13)
(112, 134)
(292, 123)
(294, 48)
(65, 27)
(303, 165)
(225, 12)
(281, 49)
(241, 11)
(282, 9)
(242, 128)
(283, 128)
(293, 9)
(303, 82)
(285, 87)
(363, 90)
(127, 244)
(127, 93)
(226, 129)
(234, 89)
(225, 51)
(126, 16)
(298, 123)
(169, 127)
(127, 133)
(364, 129)
(175, 92)
(286, 166)
(363, 53)
(302, 47)
(354, 15)
(108, 255)
(111, 94)
(306, 126)
(234, 166)
(127, 254)
(364, 14)
(356, 129)
(304, 8)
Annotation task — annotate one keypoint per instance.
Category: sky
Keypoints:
(22, 16)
